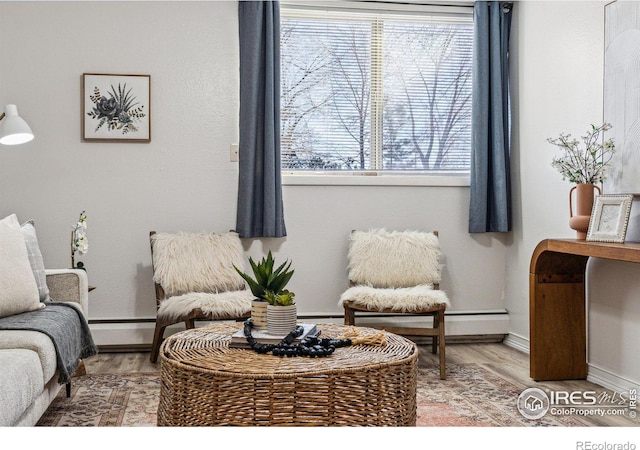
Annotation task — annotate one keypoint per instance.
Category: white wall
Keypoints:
(558, 84)
(183, 179)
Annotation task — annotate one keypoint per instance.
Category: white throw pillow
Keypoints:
(18, 288)
(35, 259)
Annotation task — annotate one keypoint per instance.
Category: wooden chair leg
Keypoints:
(434, 342)
(443, 371)
(190, 324)
(157, 339)
(349, 316)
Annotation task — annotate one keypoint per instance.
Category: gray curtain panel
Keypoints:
(260, 209)
(490, 205)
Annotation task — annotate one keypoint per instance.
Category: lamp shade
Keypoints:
(13, 129)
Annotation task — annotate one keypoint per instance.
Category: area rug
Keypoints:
(476, 397)
(106, 400)
(471, 396)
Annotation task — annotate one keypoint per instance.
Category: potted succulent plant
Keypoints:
(274, 307)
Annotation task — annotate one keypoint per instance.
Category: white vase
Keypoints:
(259, 314)
(281, 319)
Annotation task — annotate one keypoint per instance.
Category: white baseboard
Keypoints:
(518, 342)
(455, 325)
(138, 333)
(610, 380)
(597, 375)
(459, 324)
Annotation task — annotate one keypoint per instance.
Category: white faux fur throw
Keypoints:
(393, 259)
(197, 262)
(223, 305)
(401, 299)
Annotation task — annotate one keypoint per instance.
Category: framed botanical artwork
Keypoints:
(116, 108)
(609, 218)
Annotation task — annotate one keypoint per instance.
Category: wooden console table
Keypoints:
(557, 312)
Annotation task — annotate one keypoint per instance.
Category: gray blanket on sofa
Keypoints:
(67, 328)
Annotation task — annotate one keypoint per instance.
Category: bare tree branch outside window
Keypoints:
(328, 89)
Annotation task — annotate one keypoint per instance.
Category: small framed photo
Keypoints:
(116, 108)
(609, 218)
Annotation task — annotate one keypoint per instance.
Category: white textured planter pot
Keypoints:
(281, 319)
(259, 314)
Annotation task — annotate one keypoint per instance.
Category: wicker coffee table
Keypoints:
(205, 383)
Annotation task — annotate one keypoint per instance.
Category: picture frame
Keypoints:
(609, 218)
(116, 108)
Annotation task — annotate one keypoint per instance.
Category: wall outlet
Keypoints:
(233, 153)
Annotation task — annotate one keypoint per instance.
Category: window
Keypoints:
(376, 90)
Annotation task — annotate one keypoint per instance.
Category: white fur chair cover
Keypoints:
(196, 271)
(197, 262)
(394, 259)
(222, 305)
(402, 300)
(394, 270)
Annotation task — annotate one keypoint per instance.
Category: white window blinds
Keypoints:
(375, 90)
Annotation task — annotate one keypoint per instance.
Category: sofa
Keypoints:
(33, 361)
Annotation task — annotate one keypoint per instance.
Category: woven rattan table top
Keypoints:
(206, 349)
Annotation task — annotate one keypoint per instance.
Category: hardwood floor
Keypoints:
(499, 358)
(120, 363)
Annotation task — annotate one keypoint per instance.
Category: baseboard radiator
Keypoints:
(135, 335)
